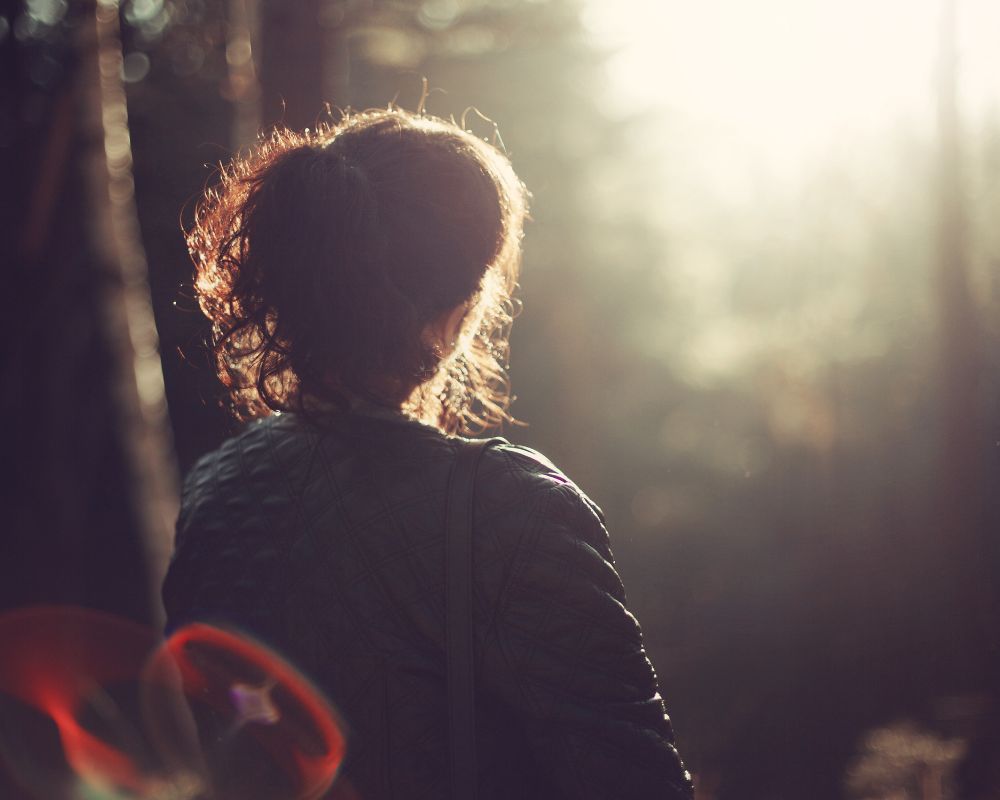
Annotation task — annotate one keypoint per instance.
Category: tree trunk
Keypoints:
(91, 488)
(292, 41)
(961, 509)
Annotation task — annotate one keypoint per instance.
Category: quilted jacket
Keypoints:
(327, 542)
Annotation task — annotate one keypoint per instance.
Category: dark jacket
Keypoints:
(327, 542)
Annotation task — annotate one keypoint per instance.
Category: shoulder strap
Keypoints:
(458, 620)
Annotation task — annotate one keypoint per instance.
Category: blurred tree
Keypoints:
(961, 508)
(75, 523)
(292, 46)
(182, 102)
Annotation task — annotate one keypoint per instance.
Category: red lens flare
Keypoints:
(265, 730)
(55, 659)
(218, 714)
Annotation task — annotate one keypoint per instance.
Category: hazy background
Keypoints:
(761, 327)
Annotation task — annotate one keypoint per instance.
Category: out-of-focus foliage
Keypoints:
(904, 761)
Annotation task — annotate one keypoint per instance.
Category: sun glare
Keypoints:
(772, 134)
(784, 80)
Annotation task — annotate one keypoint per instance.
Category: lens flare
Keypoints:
(60, 661)
(96, 706)
(265, 731)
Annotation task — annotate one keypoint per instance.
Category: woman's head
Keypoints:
(334, 265)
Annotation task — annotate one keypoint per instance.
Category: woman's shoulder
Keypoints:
(243, 463)
(515, 475)
(521, 462)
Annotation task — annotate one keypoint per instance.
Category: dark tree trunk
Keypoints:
(73, 531)
(292, 41)
(961, 507)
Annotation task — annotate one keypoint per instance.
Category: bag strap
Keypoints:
(460, 667)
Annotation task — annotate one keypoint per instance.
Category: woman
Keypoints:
(359, 281)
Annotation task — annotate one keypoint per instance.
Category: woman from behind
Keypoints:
(359, 282)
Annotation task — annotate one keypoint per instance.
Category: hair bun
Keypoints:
(322, 258)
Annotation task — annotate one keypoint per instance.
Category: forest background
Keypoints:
(767, 345)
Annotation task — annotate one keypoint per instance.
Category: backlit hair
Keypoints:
(322, 256)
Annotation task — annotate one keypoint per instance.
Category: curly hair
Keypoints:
(323, 256)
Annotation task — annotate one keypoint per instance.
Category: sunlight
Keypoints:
(781, 81)
(781, 133)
